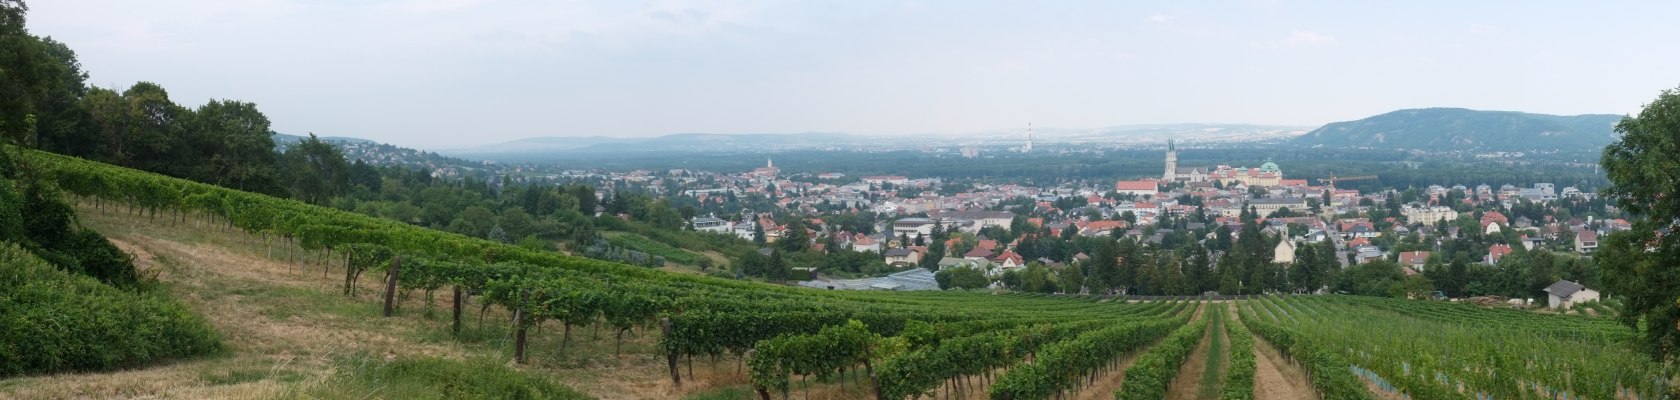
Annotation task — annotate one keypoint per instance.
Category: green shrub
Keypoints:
(56, 321)
(33, 214)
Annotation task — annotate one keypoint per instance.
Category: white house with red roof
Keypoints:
(1414, 259)
(1492, 221)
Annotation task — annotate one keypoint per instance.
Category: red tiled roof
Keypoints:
(1498, 251)
(1414, 257)
(1135, 185)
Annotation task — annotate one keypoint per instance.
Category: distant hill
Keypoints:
(543, 147)
(1442, 129)
(539, 149)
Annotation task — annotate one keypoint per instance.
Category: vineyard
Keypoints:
(788, 342)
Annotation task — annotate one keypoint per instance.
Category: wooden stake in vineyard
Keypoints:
(670, 354)
(456, 327)
(391, 287)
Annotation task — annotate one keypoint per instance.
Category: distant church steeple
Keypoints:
(1172, 163)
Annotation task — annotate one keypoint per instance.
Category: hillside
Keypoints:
(1448, 129)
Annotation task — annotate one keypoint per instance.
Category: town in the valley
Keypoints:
(915, 226)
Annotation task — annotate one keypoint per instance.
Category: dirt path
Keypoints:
(1274, 377)
(1111, 381)
(1378, 392)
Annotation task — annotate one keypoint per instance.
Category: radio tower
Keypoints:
(1028, 147)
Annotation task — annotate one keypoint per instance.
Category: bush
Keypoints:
(56, 321)
(34, 215)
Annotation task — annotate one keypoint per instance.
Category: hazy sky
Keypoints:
(455, 73)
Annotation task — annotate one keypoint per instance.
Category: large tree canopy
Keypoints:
(1643, 264)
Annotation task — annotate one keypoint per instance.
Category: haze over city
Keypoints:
(460, 73)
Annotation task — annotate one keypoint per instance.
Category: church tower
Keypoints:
(1172, 163)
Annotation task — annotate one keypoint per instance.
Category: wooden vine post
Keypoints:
(391, 286)
(456, 328)
(519, 328)
(670, 354)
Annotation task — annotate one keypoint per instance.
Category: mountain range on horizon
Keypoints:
(1449, 129)
(1428, 129)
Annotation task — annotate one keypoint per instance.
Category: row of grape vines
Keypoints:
(1026, 346)
(1448, 351)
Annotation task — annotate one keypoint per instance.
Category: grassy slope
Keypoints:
(290, 334)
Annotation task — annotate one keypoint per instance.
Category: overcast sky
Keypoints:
(457, 73)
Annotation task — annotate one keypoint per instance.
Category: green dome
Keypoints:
(1269, 166)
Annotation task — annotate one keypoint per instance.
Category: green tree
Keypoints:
(935, 253)
(1072, 279)
(1637, 265)
(794, 238)
(778, 269)
(1198, 269)
(1103, 269)
(961, 278)
(315, 171)
(758, 234)
(239, 147)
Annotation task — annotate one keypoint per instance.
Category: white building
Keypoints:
(714, 225)
(912, 227)
(1285, 252)
(1427, 215)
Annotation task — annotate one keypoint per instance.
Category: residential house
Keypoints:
(1009, 260)
(1358, 228)
(865, 243)
(1586, 241)
(1496, 252)
(1414, 259)
(1530, 243)
(902, 257)
(1564, 294)
(1492, 221)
